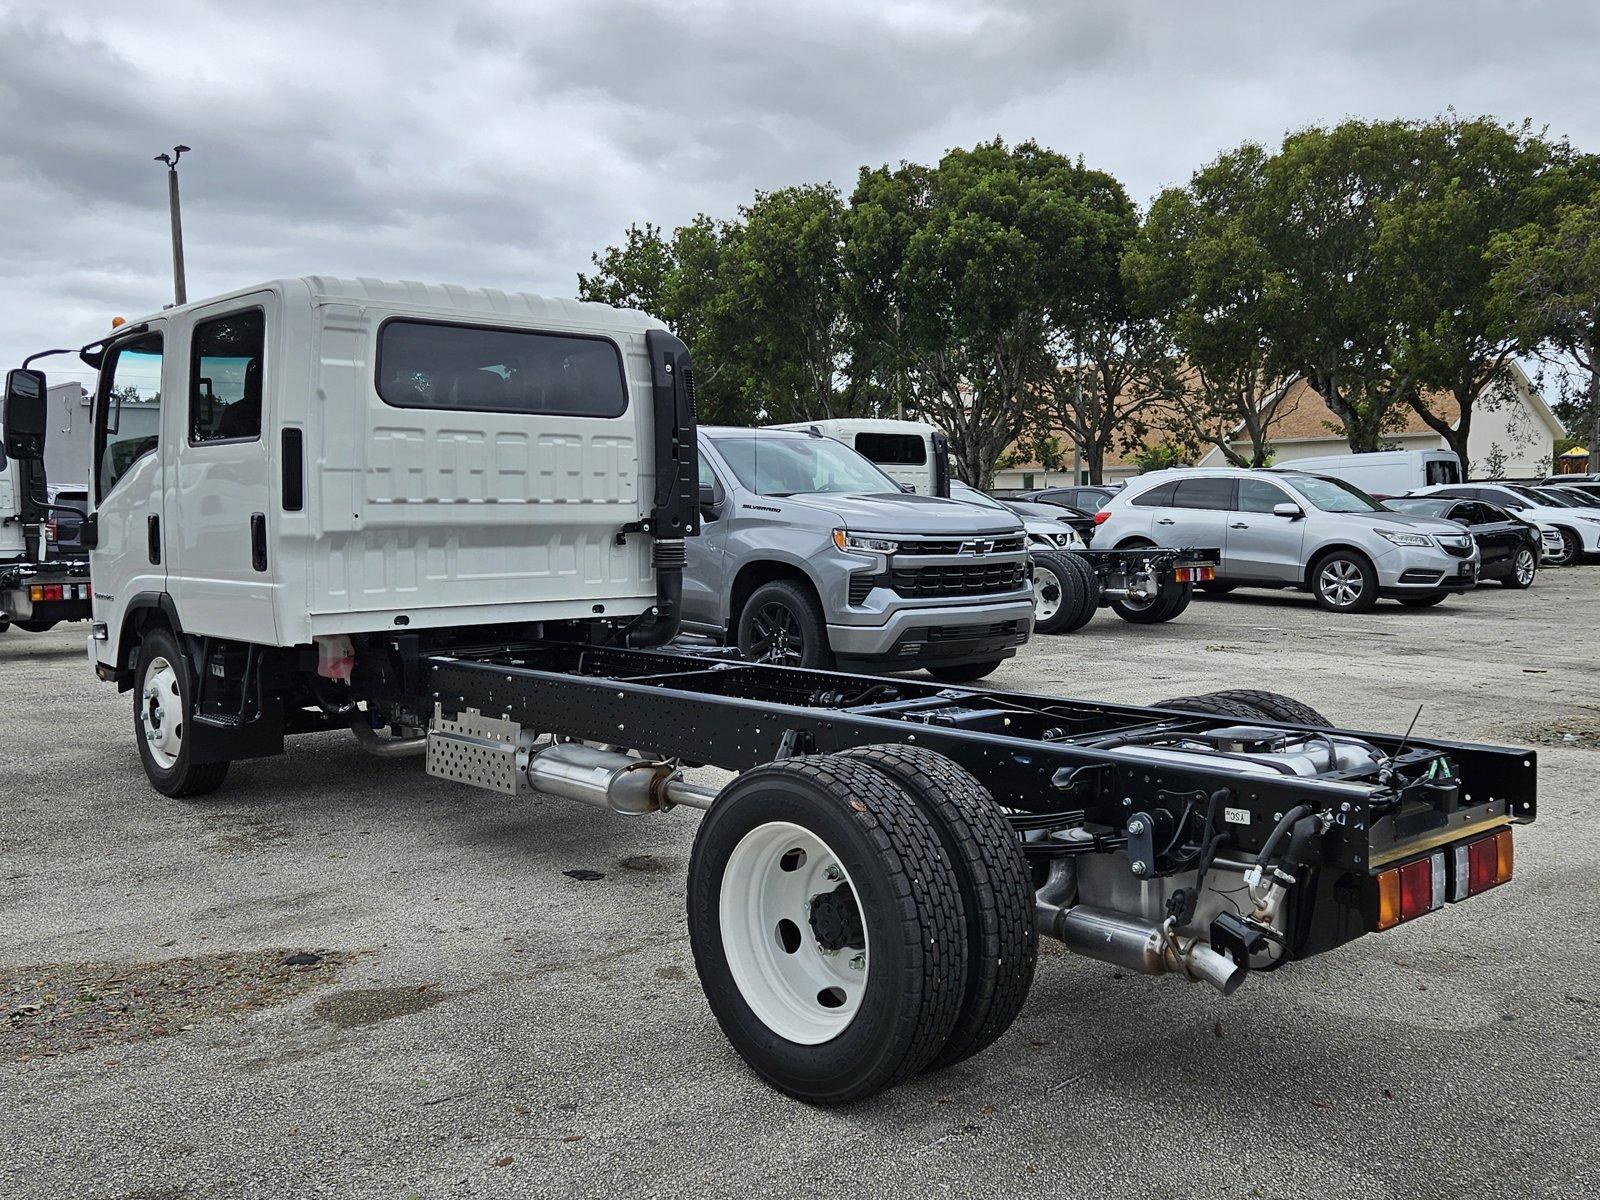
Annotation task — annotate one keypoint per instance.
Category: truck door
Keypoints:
(129, 558)
(220, 568)
(11, 542)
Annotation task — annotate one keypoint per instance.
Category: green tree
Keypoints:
(1206, 269)
(969, 269)
(632, 275)
(1547, 283)
(1474, 180)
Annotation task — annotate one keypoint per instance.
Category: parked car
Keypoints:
(1571, 496)
(1086, 499)
(64, 525)
(1044, 523)
(1579, 528)
(1383, 472)
(1509, 548)
(1283, 529)
(808, 555)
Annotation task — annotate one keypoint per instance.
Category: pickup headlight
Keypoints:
(1404, 539)
(862, 544)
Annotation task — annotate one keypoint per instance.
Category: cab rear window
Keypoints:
(426, 364)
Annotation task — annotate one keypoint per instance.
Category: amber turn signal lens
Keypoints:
(1503, 856)
(1389, 899)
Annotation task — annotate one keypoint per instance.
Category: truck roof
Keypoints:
(444, 298)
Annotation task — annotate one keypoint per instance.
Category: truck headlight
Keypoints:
(1404, 539)
(863, 544)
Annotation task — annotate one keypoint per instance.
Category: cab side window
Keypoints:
(130, 424)
(225, 378)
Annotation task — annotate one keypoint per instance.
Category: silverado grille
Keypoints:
(976, 580)
(1005, 543)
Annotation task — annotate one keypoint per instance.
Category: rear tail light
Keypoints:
(1194, 574)
(40, 592)
(1407, 892)
(1481, 865)
(1101, 517)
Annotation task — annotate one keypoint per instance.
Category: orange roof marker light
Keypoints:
(116, 321)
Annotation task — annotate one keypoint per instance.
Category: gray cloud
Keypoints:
(498, 142)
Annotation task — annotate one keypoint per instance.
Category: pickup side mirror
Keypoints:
(24, 414)
(708, 497)
(89, 532)
(1292, 511)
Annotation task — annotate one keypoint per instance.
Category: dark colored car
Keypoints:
(1081, 522)
(65, 524)
(1086, 499)
(1507, 545)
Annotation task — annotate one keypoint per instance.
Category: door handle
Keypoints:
(258, 541)
(152, 526)
(1239, 525)
(1166, 521)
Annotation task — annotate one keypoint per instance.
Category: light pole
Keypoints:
(180, 291)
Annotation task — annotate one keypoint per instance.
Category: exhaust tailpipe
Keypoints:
(1139, 946)
(612, 779)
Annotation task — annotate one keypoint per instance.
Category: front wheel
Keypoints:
(161, 703)
(828, 927)
(782, 624)
(1571, 549)
(1344, 582)
(1524, 569)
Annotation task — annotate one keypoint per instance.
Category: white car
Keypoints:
(1045, 532)
(1579, 527)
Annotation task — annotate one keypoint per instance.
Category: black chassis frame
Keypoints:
(66, 570)
(1055, 759)
(1162, 560)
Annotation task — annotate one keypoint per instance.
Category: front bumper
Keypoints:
(947, 634)
(1411, 571)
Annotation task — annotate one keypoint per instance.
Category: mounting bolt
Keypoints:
(858, 963)
(833, 874)
(1139, 868)
(1127, 802)
(1136, 827)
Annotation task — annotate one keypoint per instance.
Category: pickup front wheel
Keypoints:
(782, 624)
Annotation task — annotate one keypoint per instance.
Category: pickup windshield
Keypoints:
(1334, 495)
(788, 466)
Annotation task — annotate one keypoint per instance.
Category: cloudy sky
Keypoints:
(499, 142)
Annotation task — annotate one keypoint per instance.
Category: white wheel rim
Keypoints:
(805, 994)
(1046, 594)
(1341, 582)
(161, 713)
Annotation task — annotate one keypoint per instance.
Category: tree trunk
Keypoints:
(1095, 456)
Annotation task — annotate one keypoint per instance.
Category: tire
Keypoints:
(161, 686)
(996, 891)
(781, 623)
(845, 1041)
(1091, 593)
(1524, 570)
(1571, 548)
(1272, 705)
(1057, 593)
(1427, 601)
(1343, 581)
(1168, 603)
(1217, 587)
(1216, 704)
(965, 672)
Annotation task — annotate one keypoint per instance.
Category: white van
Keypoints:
(909, 452)
(1384, 473)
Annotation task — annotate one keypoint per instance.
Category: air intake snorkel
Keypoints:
(674, 513)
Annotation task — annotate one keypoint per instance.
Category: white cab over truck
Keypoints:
(912, 453)
(452, 521)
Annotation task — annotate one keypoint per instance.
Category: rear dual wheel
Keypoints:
(857, 918)
(1066, 592)
(1166, 604)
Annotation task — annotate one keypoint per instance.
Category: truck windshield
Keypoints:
(1335, 495)
(788, 466)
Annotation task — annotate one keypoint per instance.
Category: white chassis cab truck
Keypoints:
(452, 522)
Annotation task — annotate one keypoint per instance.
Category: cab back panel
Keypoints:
(453, 515)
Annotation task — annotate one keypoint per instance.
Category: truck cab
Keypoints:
(912, 453)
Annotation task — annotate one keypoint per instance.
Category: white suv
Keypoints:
(1281, 528)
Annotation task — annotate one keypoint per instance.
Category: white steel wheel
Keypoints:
(1046, 594)
(793, 933)
(161, 713)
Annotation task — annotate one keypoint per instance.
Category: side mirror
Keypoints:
(24, 415)
(708, 496)
(1292, 511)
(89, 532)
